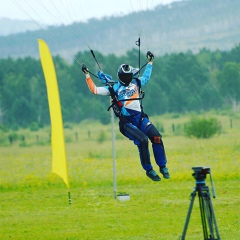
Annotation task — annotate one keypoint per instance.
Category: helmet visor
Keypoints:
(125, 74)
(125, 78)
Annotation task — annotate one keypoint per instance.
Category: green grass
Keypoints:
(34, 202)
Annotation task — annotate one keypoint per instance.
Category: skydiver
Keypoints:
(133, 122)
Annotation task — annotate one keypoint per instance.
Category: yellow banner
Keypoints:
(59, 165)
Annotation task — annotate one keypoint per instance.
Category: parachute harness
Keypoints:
(117, 104)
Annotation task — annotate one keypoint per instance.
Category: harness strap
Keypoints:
(117, 104)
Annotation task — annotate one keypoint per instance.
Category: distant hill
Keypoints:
(9, 26)
(179, 27)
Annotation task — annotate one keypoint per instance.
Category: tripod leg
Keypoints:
(214, 220)
(203, 214)
(193, 195)
(207, 215)
(212, 223)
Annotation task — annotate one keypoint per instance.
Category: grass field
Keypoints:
(34, 202)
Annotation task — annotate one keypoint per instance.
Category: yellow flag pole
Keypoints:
(59, 164)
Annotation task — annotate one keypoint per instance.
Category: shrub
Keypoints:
(34, 127)
(202, 127)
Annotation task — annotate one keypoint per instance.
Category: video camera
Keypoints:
(200, 173)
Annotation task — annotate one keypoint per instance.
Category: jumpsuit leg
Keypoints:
(157, 144)
(141, 140)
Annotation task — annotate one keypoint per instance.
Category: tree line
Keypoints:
(180, 83)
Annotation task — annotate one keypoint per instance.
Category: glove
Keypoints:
(84, 69)
(105, 78)
(150, 56)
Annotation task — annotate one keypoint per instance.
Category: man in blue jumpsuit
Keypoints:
(133, 122)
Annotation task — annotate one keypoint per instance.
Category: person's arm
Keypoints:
(91, 85)
(148, 70)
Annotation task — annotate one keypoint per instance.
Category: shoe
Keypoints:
(153, 175)
(164, 172)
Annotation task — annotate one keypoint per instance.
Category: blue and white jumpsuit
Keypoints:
(134, 124)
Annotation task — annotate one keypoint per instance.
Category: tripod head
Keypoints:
(200, 174)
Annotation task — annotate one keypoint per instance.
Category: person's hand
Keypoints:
(85, 69)
(150, 56)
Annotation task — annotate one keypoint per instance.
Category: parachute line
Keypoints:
(44, 24)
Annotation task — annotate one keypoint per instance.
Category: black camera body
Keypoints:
(200, 173)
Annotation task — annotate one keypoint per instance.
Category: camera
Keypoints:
(200, 173)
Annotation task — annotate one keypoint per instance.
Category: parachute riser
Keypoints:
(138, 43)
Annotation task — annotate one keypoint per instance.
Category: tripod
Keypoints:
(209, 223)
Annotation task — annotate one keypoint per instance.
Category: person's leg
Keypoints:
(157, 145)
(141, 140)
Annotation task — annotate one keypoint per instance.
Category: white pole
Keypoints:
(113, 155)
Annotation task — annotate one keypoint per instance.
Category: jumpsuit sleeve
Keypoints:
(94, 89)
(146, 75)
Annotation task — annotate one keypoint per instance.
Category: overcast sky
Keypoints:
(67, 11)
